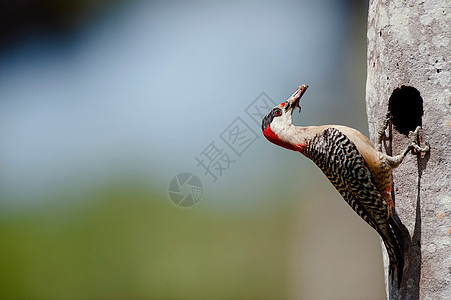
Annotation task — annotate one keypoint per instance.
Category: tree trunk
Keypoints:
(408, 69)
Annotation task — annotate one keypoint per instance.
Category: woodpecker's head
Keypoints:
(276, 123)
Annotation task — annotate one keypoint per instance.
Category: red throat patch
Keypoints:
(274, 138)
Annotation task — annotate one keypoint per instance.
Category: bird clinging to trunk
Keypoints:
(361, 173)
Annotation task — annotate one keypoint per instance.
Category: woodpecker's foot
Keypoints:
(416, 149)
(413, 135)
(395, 161)
(381, 133)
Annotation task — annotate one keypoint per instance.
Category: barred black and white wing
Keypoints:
(339, 159)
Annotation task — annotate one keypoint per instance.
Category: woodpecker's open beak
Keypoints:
(295, 98)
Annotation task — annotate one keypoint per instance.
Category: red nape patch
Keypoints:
(274, 138)
(283, 104)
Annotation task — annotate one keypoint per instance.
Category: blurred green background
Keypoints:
(102, 103)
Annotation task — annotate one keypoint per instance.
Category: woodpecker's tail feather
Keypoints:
(395, 251)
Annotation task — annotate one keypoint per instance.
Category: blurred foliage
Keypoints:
(133, 243)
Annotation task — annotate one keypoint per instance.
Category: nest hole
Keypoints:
(406, 107)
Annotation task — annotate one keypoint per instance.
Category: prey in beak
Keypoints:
(294, 100)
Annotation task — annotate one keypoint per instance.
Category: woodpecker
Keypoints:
(361, 173)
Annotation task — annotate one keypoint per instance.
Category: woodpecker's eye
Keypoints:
(278, 112)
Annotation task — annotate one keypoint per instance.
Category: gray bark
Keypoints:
(409, 43)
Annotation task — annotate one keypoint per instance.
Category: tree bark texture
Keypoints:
(409, 44)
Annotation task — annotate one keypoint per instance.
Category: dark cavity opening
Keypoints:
(406, 107)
